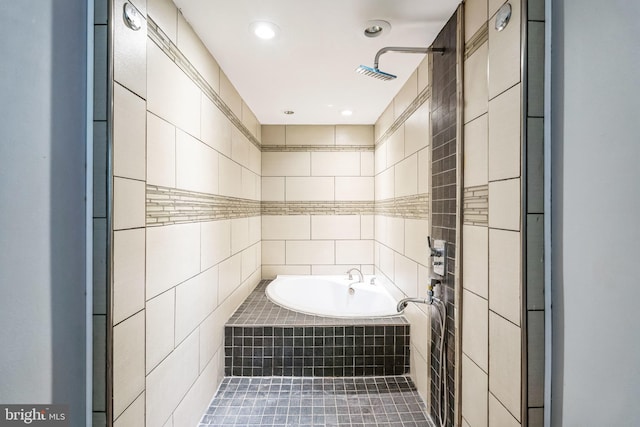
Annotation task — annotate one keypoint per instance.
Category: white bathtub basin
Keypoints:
(329, 296)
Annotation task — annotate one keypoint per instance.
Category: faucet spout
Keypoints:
(405, 301)
(357, 270)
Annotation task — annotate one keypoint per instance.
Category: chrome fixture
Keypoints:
(376, 28)
(131, 16)
(438, 250)
(502, 17)
(430, 299)
(357, 270)
(375, 71)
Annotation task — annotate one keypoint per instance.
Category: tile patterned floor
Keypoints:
(312, 401)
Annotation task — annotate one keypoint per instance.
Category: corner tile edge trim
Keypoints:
(172, 51)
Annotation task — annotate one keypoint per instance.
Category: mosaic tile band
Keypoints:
(172, 51)
(476, 205)
(315, 148)
(478, 39)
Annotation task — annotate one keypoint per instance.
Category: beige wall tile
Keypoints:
(215, 128)
(420, 369)
(475, 16)
(196, 401)
(239, 147)
(476, 84)
(498, 414)
(128, 362)
(169, 382)
(192, 47)
(504, 364)
(385, 185)
(494, 5)
(309, 189)
(310, 252)
(173, 255)
(386, 263)
(249, 119)
(423, 74)
(230, 95)
(178, 102)
(332, 227)
(239, 234)
(354, 135)
(128, 203)
(424, 171)
(354, 251)
(255, 229)
(406, 177)
(504, 204)
(310, 135)
(475, 256)
(286, 164)
(132, 416)
(215, 242)
(159, 337)
(406, 275)
(250, 260)
(273, 135)
(417, 133)
(367, 164)
(230, 276)
(280, 227)
(475, 329)
(273, 252)
(196, 165)
(384, 121)
(475, 390)
(366, 227)
(195, 300)
(380, 158)
(334, 270)
(395, 237)
(212, 335)
(420, 329)
(354, 189)
(229, 178)
(504, 55)
(161, 152)
(128, 273)
(476, 152)
(395, 147)
(415, 240)
(504, 274)
(250, 185)
(504, 135)
(271, 271)
(335, 163)
(128, 134)
(273, 189)
(129, 54)
(165, 14)
(255, 160)
(406, 95)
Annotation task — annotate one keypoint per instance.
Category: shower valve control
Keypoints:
(438, 250)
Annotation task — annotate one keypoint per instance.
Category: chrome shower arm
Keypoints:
(405, 50)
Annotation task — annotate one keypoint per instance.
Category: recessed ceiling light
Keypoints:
(264, 30)
(346, 113)
(288, 112)
(376, 28)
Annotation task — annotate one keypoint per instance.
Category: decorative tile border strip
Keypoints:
(417, 102)
(478, 39)
(305, 148)
(318, 208)
(172, 51)
(411, 207)
(476, 205)
(167, 206)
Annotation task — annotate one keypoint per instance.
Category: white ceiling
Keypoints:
(309, 67)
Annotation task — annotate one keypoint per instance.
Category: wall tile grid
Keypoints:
(186, 209)
(492, 375)
(317, 199)
(402, 180)
(444, 191)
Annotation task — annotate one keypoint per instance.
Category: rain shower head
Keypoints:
(375, 71)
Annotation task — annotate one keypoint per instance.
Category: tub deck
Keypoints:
(264, 339)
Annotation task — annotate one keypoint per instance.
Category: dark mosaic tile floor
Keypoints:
(257, 309)
(312, 401)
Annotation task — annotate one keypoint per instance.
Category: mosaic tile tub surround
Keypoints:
(264, 339)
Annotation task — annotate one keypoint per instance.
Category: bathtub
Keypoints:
(329, 296)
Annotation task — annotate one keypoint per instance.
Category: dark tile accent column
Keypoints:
(444, 192)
